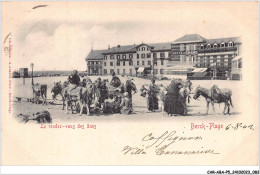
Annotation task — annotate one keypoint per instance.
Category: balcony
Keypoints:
(95, 66)
(214, 50)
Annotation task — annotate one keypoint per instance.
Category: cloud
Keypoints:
(64, 41)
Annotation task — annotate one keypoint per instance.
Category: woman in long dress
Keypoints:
(126, 107)
(153, 90)
(172, 104)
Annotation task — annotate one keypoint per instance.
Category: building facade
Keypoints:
(198, 51)
(130, 60)
(189, 51)
(95, 62)
(236, 71)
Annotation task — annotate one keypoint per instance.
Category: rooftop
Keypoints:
(121, 49)
(95, 55)
(225, 40)
(190, 38)
(161, 46)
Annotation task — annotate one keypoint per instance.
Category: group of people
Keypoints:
(119, 98)
(169, 96)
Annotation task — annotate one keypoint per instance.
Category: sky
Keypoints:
(61, 35)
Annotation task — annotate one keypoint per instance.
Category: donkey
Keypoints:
(88, 95)
(68, 96)
(223, 96)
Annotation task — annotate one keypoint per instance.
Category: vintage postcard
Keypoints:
(129, 83)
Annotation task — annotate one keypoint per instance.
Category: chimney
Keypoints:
(118, 46)
(108, 47)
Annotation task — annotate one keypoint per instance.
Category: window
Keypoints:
(137, 55)
(208, 46)
(222, 44)
(162, 55)
(111, 63)
(230, 44)
(215, 45)
(118, 56)
(240, 64)
(169, 54)
(118, 63)
(142, 62)
(154, 55)
(155, 71)
(130, 71)
(130, 55)
(143, 48)
(123, 63)
(161, 71)
(137, 62)
(105, 64)
(143, 55)
(149, 62)
(111, 71)
(148, 55)
(161, 62)
(105, 71)
(105, 57)
(118, 71)
(111, 56)
(130, 63)
(202, 46)
(124, 56)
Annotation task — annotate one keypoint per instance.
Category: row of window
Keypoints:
(118, 71)
(94, 62)
(130, 56)
(130, 71)
(143, 55)
(215, 45)
(143, 48)
(131, 63)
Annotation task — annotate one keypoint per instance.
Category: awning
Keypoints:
(200, 70)
(140, 69)
(237, 58)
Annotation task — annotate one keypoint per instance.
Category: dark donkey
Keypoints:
(215, 95)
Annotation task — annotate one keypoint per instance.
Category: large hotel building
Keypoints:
(173, 58)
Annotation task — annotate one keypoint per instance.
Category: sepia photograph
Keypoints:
(129, 83)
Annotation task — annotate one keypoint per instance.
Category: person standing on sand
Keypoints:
(153, 90)
(125, 105)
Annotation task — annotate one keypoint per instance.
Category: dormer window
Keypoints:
(208, 46)
(202, 46)
(230, 44)
(215, 45)
(222, 44)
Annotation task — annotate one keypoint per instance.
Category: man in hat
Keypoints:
(115, 82)
(74, 80)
